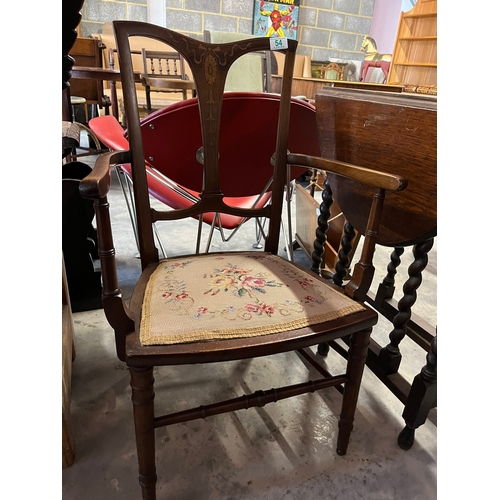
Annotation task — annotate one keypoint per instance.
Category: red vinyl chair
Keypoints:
(175, 174)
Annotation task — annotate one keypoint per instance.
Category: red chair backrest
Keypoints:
(172, 136)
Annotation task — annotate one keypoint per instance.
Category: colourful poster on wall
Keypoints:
(276, 18)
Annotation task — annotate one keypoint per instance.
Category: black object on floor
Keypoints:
(79, 241)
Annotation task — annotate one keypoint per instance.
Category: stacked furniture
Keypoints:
(164, 71)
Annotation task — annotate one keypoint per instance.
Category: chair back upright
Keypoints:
(209, 64)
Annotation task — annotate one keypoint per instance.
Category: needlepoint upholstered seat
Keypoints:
(234, 295)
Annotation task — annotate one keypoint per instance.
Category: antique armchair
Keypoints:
(218, 307)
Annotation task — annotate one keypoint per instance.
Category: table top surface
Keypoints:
(391, 132)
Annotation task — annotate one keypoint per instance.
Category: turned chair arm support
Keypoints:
(96, 186)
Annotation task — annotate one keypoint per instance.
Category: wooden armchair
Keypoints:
(226, 306)
(164, 72)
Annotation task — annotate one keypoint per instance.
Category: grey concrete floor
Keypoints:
(283, 451)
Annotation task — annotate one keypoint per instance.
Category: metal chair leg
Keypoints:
(258, 234)
(126, 186)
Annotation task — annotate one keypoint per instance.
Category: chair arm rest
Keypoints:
(96, 184)
(390, 182)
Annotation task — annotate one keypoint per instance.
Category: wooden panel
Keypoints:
(308, 87)
(382, 87)
(390, 132)
(301, 86)
(86, 52)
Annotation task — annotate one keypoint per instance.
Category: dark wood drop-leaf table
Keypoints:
(395, 133)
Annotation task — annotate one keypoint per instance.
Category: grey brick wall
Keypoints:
(327, 28)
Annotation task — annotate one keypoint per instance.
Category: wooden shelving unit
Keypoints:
(414, 60)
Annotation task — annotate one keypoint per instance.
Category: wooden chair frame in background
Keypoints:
(164, 71)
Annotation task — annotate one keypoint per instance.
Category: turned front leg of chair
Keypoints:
(363, 272)
(358, 352)
(390, 356)
(142, 383)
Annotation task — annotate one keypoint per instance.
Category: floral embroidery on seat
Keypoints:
(174, 290)
(249, 310)
(234, 295)
(239, 281)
